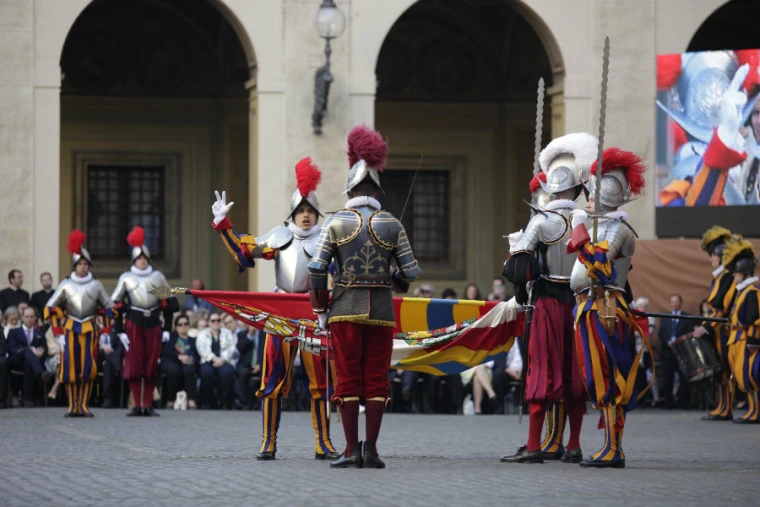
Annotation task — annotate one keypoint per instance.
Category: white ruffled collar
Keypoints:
(617, 215)
(86, 278)
(718, 271)
(142, 272)
(300, 233)
(560, 204)
(746, 283)
(363, 200)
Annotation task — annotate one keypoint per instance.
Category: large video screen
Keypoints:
(708, 130)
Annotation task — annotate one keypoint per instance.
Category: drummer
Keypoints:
(744, 339)
(722, 291)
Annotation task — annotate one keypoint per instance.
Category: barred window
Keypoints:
(427, 215)
(118, 198)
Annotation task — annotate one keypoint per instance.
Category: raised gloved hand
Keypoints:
(732, 109)
(579, 217)
(165, 337)
(220, 208)
(61, 340)
(124, 340)
(513, 239)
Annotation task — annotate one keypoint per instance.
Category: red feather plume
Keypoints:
(615, 158)
(668, 70)
(136, 237)
(752, 57)
(75, 242)
(535, 184)
(308, 176)
(368, 145)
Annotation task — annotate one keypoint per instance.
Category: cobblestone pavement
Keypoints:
(194, 458)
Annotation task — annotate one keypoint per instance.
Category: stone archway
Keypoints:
(455, 84)
(731, 26)
(151, 91)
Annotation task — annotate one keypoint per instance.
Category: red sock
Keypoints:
(135, 389)
(575, 411)
(374, 415)
(349, 415)
(537, 412)
(150, 384)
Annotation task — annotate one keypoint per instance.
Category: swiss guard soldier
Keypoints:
(539, 258)
(291, 246)
(364, 241)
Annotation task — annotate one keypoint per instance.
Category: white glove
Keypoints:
(124, 340)
(513, 308)
(513, 239)
(322, 319)
(61, 340)
(220, 208)
(165, 337)
(579, 217)
(731, 111)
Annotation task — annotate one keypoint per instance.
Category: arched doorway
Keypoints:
(155, 104)
(457, 82)
(732, 26)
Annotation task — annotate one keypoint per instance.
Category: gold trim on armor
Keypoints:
(355, 233)
(374, 235)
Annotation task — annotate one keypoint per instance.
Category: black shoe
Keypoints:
(592, 463)
(370, 459)
(741, 420)
(70, 414)
(710, 417)
(149, 412)
(523, 455)
(28, 404)
(553, 456)
(353, 461)
(572, 456)
(107, 403)
(135, 412)
(331, 455)
(265, 456)
(87, 414)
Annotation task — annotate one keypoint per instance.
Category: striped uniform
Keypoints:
(744, 344)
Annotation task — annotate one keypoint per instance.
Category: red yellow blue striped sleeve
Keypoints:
(243, 247)
(710, 179)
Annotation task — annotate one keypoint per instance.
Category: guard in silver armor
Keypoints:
(363, 242)
(141, 330)
(72, 309)
(291, 247)
(605, 325)
(539, 259)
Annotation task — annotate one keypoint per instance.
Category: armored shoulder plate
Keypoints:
(545, 227)
(310, 245)
(277, 239)
(384, 229)
(345, 225)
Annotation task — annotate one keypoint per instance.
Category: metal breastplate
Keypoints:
(82, 298)
(556, 262)
(291, 265)
(363, 251)
(138, 287)
(621, 240)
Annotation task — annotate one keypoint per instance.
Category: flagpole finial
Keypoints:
(167, 292)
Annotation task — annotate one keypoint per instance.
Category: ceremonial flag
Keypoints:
(438, 336)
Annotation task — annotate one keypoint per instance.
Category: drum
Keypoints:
(697, 357)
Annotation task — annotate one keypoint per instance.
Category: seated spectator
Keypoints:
(497, 290)
(53, 361)
(448, 293)
(472, 293)
(3, 368)
(193, 303)
(198, 322)
(480, 376)
(14, 294)
(11, 320)
(217, 349)
(234, 325)
(250, 345)
(405, 395)
(426, 290)
(28, 350)
(179, 361)
(507, 369)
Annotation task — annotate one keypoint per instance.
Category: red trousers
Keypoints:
(362, 357)
(141, 360)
